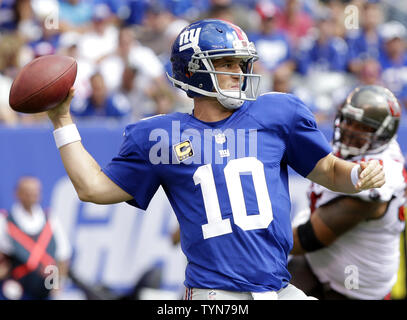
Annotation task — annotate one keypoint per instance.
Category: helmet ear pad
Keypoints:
(199, 80)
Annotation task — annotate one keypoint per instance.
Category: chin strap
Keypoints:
(228, 101)
(187, 87)
(227, 98)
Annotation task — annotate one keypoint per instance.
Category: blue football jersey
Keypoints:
(227, 182)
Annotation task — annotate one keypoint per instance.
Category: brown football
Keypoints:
(42, 84)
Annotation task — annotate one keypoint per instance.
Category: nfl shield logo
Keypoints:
(212, 295)
(220, 138)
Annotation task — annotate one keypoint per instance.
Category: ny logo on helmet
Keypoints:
(189, 38)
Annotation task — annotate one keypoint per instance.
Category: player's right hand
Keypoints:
(60, 115)
(371, 175)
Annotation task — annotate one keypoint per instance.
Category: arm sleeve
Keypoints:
(132, 171)
(306, 143)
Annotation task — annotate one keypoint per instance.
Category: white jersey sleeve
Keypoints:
(372, 247)
(393, 166)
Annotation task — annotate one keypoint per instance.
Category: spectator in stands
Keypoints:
(365, 42)
(183, 102)
(273, 46)
(393, 59)
(396, 10)
(101, 40)
(68, 45)
(142, 104)
(283, 82)
(9, 53)
(136, 10)
(101, 103)
(27, 24)
(12, 57)
(321, 63)
(164, 95)
(30, 243)
(164, 101)
(322, 51)
(170, 34)
(47, 43)
(230, 11)
(182, 8)
(7, 115)
(118, 8)
(129, 92)
(156, 21)
(130, 51)
(220, 11)
(150, 80)
(294, 21)
(337, 8)
(8, 20)
(75, 15)
(370, 73)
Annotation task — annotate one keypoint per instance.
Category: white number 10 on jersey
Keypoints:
(217, 226)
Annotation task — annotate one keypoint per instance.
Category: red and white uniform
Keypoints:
(369, 251)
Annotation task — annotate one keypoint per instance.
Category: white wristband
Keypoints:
(66, 135)
(354, 174)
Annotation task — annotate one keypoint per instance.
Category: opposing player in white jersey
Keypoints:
(351, 242)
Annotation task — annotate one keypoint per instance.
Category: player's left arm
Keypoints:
(330, 221)
(335, 174)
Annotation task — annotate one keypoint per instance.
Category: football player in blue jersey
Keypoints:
(223, 167)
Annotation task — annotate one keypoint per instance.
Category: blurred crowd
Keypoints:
(318, 50)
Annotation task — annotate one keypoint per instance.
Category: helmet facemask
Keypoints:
(365, 128)
(352, 138)
(248, 82)
(193, 66)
